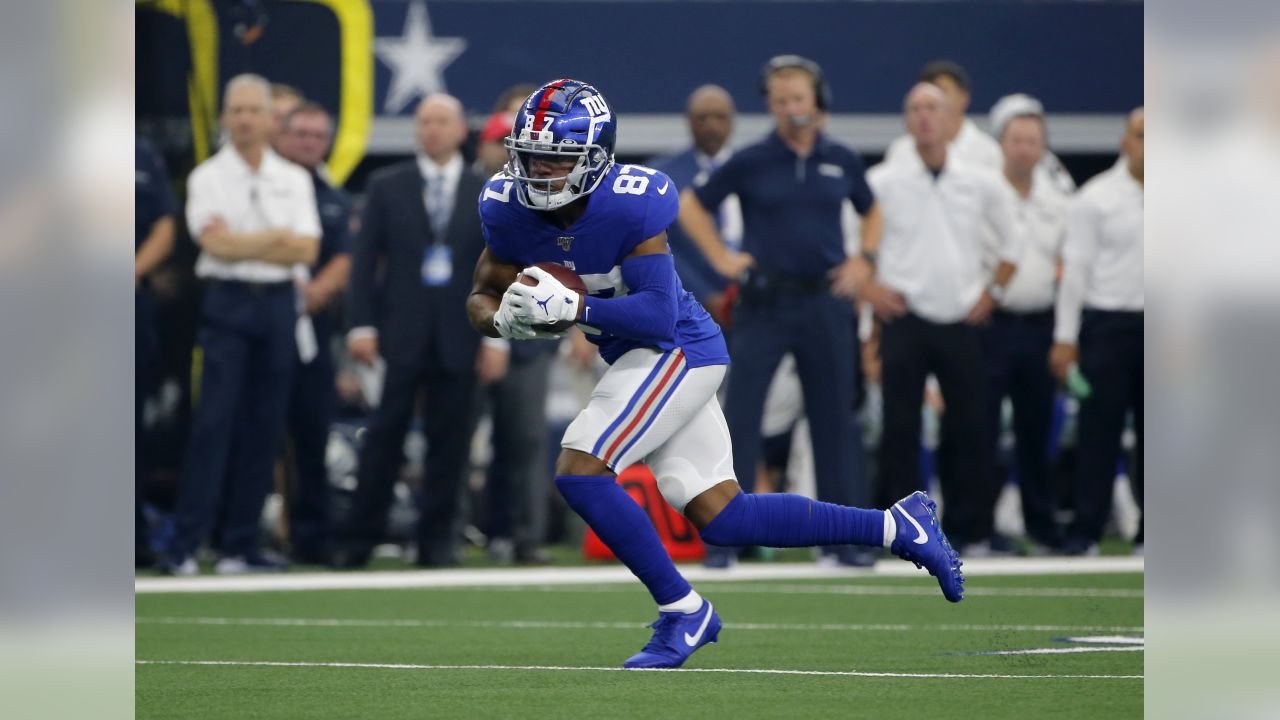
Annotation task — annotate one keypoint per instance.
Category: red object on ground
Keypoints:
(678, 535)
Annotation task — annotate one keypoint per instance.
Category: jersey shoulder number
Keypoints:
(640, 180)
(649, 196)
(497, 187)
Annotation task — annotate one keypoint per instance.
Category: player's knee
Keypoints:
(677, 481)
(699, 496)
(727, 531)
(576, 462)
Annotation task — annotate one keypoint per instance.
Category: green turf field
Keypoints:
(549, 651)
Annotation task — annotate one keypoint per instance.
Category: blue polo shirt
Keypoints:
(334, 207)
(152, 196)
(791, 205)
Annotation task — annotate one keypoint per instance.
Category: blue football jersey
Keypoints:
(632, 204)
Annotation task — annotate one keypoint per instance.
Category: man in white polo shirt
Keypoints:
(1099, 325)
(1018, 337)
(254, 217)
(931, 263)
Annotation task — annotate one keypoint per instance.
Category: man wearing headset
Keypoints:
(797, 283)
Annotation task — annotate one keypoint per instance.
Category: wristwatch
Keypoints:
(996, 292)
(870, 257)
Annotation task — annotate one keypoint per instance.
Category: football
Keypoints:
(568, 278)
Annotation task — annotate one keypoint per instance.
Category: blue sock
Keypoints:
(627, 531)
(784, 520)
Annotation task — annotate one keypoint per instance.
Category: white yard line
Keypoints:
(1106, 640)
(614, 574)
(560, 668)
(572, 625)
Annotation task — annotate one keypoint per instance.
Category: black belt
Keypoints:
(773, 285)
(1126, 314)
(1032, 316)
(256, 288)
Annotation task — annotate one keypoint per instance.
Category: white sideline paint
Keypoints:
(1065, 651)
(616, 574)
(562, 668)
(578, 625)
(891, 590)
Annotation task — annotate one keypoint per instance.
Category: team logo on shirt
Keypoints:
(565, 242)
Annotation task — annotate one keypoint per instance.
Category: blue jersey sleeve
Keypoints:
(497, 219)
(859, 190)
(649, 203)
(664, 204)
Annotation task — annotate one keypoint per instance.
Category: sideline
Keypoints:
(616, 574)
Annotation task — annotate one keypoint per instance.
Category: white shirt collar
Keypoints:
(922, 170)
(968, 133)
(236, 162)
(451, 170)
(1126, 178)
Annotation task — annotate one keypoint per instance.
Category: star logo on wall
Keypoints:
(417, 59)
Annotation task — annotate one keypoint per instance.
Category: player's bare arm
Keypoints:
(698, 225)
(492, 277)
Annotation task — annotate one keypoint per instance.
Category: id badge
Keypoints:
(437, 266)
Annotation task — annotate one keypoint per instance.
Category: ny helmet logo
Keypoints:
(595, 105)
(564, 241)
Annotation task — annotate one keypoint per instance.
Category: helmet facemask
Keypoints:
(539, 193)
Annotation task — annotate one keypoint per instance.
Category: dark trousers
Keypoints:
(1111, 360)
(311, 408)
(518, 482)
(1015, 348)
(145, 364)
(247, 342)
(818, 330)
(447, 422)
(911, 348)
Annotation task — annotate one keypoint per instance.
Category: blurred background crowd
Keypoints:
(308, 388)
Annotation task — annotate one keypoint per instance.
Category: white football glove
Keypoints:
(511, 323)
(547, 302)
(506, 324)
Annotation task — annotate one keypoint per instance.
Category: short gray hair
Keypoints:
(250, 79)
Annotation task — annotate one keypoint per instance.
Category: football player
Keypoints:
(562, 198)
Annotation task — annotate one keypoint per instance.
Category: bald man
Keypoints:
(932, 293)
(1098, 329)
(420, 226)
(710, 111)
(254, 217)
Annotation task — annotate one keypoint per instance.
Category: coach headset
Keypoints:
(821, 90)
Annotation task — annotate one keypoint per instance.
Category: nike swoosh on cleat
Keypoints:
(692, 640)
(920, 536)
(663, 190)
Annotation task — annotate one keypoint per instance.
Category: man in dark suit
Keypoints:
(514, 379)
(419, 239)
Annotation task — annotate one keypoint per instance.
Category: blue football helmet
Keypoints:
(564, 119)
